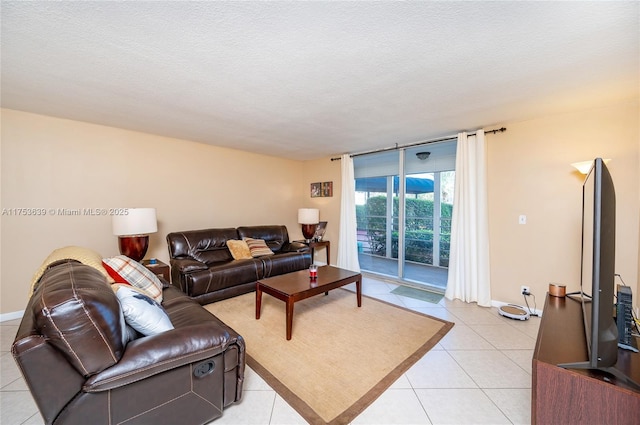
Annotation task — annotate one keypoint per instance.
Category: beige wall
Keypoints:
(324, 170)
(55, 163)
(530, 173)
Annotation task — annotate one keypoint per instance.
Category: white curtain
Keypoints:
(469, 277)
(347, 239)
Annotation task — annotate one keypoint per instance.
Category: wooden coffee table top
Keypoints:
(299, 282)
(297, 286)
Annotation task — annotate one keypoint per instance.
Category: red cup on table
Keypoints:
(313, 271)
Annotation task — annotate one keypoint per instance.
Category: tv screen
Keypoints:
(598, 274)
(598, 265)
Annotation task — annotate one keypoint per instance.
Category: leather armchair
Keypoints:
(73, 352)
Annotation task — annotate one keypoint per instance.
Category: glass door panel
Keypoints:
(376, 193)
(402, 187)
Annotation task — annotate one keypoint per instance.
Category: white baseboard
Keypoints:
(11, 316)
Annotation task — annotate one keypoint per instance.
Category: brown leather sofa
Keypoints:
(202, 266)
(73, 353)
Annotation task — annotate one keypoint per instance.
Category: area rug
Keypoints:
(418, 294)
(340, 358)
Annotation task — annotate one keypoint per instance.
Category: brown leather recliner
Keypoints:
(73, 353)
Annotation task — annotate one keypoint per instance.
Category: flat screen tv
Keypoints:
(597, 286)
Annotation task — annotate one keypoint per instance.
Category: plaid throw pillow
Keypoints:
(125, 270)
(258, 247)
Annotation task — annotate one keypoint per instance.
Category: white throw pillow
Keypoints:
(141, 312)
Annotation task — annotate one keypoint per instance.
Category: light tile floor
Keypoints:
(479, 373)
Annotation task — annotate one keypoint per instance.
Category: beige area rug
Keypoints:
(340, 358)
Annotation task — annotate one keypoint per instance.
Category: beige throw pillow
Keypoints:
(78, 253)
(239, 249)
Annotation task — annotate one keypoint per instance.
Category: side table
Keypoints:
(159, 269)
(318, 244)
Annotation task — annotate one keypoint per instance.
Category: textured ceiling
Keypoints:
(305, 80)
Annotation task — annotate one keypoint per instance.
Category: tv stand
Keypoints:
(619, 376)
(578, 396)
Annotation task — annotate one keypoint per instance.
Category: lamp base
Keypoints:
(134, 247)
(308, 231)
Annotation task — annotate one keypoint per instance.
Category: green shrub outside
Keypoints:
(372, 218)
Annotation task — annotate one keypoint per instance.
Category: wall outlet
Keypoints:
(524, 290)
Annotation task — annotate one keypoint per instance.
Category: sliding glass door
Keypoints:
(403, 208)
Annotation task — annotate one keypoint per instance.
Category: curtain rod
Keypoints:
(424, 142)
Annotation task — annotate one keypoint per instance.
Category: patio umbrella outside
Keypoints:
(415, 185)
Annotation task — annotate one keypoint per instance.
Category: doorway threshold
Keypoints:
(404, 282)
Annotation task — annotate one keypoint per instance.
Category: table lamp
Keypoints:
(309, 218)
(133, 231)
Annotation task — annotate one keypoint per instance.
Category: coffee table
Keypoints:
(297, 286)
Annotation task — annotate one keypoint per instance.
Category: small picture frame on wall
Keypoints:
(320, 190)
(327, 189)
(316, 190)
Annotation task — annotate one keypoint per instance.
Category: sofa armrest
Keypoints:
(52, 380)
(151, 355)
(188, 265)
(295, 247)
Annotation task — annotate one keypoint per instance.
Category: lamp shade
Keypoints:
(138, 221)
(308, 216)
(585, 166)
